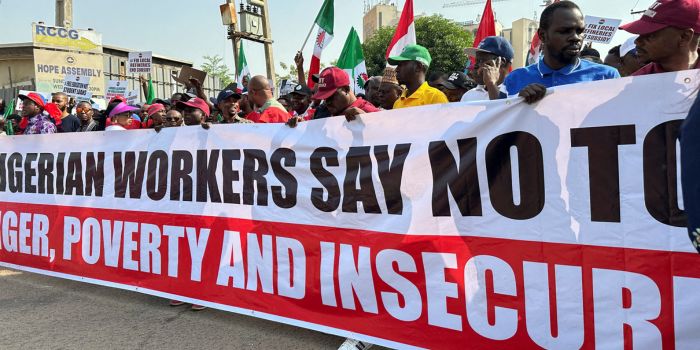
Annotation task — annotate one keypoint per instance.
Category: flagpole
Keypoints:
(307, 37)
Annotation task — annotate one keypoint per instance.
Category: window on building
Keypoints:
(380, 19)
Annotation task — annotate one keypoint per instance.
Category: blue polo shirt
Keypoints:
(540, 73)
(690, 171)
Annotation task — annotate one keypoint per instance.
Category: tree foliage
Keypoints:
(444, 39)
(215, 66)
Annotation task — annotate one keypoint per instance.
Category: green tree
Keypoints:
(444, 38)
(215, 66)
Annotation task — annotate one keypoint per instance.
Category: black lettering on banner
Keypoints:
(359, 163)
(284, 157)
(206, 176)
(60, 171)
(391, 174)
(74, 178)
(661, 174)
(129, 174)
(95, 174)
(230, 175)
(531, 175)
(3, 172)
(29, 172)
(254, 170)
(45, 170)
(157, 180)
(15, 176)
(604, 166)
(463, 182)
(181, 174)
(326, 178)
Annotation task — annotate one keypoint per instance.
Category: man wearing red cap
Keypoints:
(269, 109)
(195, 111)
(32, 110)
(334, 88)
(669, 33)
(154, 114)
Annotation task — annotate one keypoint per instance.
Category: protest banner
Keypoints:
(77, 87)
(132, 96)
(51, 68)
(600, 30)
(502, 225)
(116, 88)
(140, 62)
(66, 38)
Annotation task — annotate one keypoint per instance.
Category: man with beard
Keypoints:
(669, 36)
(334, 89)
(228, 103)
(301, 102)
(561, 32)
(69, 122)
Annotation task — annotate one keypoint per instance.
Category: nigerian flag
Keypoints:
(243, 70)
(352, 61)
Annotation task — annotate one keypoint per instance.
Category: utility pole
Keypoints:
(267, 32)
(233, 28)
(64, 13)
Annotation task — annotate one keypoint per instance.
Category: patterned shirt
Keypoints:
(40, 124)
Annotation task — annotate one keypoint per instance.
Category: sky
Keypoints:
(191, 29)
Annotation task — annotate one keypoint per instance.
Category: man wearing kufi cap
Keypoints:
(389, 89)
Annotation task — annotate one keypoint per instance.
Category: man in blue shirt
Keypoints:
(561, 33)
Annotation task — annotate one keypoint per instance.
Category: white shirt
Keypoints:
(115, 127)
(479, 93)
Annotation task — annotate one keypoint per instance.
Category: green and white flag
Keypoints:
(243, 70)
(352, 61)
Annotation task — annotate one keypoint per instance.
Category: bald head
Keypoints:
(259, 90)
(258, 82)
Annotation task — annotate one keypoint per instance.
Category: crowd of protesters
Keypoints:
(666, 39)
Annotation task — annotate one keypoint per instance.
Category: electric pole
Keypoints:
(64, 13)
(267, 32)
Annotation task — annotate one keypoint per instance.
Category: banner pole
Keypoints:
(307, 37)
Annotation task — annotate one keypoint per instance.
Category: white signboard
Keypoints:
(140, 62)
(77, 86)
(132, 96)
(600, 30)
(116, 87)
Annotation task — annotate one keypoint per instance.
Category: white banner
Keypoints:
(116, 88)
(445, 226)
(600, 30)
(140, 62)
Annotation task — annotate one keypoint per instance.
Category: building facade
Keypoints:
(381, 15)
(520, 36)
(18, 72)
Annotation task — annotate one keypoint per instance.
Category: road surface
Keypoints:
(41, 312)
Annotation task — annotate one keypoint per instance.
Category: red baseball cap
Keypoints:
(667, 13)
(196, 103)
(329, 81)
(33, 96)
(119, 98)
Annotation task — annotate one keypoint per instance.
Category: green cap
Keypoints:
(412, 53)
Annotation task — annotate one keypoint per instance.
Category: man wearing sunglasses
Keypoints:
(334, 89)
(85, 113)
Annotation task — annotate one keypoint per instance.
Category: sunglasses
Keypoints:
(172, 119)
(83, 109)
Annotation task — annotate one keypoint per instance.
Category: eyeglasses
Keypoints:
(83, 110)
(172, 119)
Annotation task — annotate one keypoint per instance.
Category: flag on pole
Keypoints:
(151, 94)
(352, 61)
(9, 130)
(324, 21)
(243, 69)
(405, 31)
(533, 55)
(487, 27)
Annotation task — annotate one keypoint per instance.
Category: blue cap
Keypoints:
(496, 45)
(224, 94)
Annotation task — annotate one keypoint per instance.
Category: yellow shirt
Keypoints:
(425, 95)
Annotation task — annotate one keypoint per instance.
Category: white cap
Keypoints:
(628, 46)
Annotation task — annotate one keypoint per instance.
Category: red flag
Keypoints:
(405, 31)
(487, 27)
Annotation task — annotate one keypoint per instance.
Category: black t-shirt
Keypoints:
(70, 123)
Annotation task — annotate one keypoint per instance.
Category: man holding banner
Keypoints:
(561, 29)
